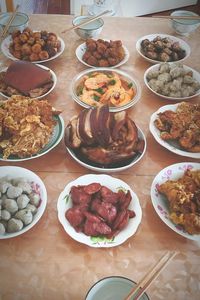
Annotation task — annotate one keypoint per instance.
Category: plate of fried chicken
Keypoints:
(99, 210)
(175, 197)
(176, 127)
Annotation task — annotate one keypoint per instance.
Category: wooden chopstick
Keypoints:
(6, 28)
(88, 21)
(178, 17)
(147, 280)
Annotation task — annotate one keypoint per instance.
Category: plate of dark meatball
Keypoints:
(102, 53)
(158, 47)
(33, 46)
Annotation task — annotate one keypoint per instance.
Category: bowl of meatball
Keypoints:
(156, 48)
(173, 81)
(23, 199)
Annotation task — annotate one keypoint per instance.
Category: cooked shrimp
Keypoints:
(96, 82)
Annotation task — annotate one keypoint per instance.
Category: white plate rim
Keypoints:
(6, 52)
(158, 199)
(196, 75)
(60, 126)
(54, 78)
(156, 133)
(111, 170)
(80, 50)
(14, 170)
(185, 46)
(134, 80)
(112, 183)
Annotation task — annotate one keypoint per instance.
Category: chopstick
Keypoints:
(178, 17)
(6, 28)
(88, 21)
(147, 280)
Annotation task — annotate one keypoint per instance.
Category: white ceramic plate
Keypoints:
(170, 145)
(17, 172)
(112, 168)
(53, 76)
(82, 48)
(135, 83)
(5, 49)
(64, 203)
(196, 75)
(150, 37)
(160, 202)
(56, 137)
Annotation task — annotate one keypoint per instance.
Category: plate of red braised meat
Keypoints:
(99, 210)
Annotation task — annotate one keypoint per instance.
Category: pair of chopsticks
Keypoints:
(7, 26)
(147, 280)
(88, 21)
(178, 17)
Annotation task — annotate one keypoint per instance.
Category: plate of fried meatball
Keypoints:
(33, 46)
(102, 53)
(158, 47)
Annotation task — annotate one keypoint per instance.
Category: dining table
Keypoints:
(45, 263)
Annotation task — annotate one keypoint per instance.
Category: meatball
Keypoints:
(14, 225)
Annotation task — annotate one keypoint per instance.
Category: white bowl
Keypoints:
(114, 184)
(20, 21)
(53, 76)
(91, 30)
(18, 172)
(113, 287)
(78, 78)
(150, 37)
(182, 26)
(196, 75)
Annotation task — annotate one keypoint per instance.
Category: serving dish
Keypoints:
(54, 79)
(150, 37)
(91, 30)
(20, 21)
(56, 137)
(117, 167)
(170, 145)
(7, 41)
(19, 172)
(78, 80)
(64, 203)
(196, 76)
(80, 50)
(160, 204)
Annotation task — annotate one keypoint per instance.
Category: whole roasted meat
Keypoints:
(98, 211)
(103, 137)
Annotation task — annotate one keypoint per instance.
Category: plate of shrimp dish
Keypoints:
(175, 197)
(176, 127)
(99, 210)
(33, 46)
(102, 53)
(173, 81)
(105, 86)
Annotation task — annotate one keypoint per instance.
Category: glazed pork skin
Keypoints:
(26, 76)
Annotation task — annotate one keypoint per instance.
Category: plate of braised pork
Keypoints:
(103, 141)
(175, 197)
(176, 128)
(99, 210)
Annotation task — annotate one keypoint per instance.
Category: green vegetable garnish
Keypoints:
(96, 98)
(112, 82)
(100, 91)
(130, 85)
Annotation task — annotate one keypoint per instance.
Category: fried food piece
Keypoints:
(184, 200)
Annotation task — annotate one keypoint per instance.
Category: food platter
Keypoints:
(113, 167)
(196, 76)
(55, 139)
(19, 172)
(54, 79)
(172, 172)
(181, 42)
(64, 202)
(170, 145)
(7, 41)
(82, 48)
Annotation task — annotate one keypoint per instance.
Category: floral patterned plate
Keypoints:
(159, 201)
(64, 203)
